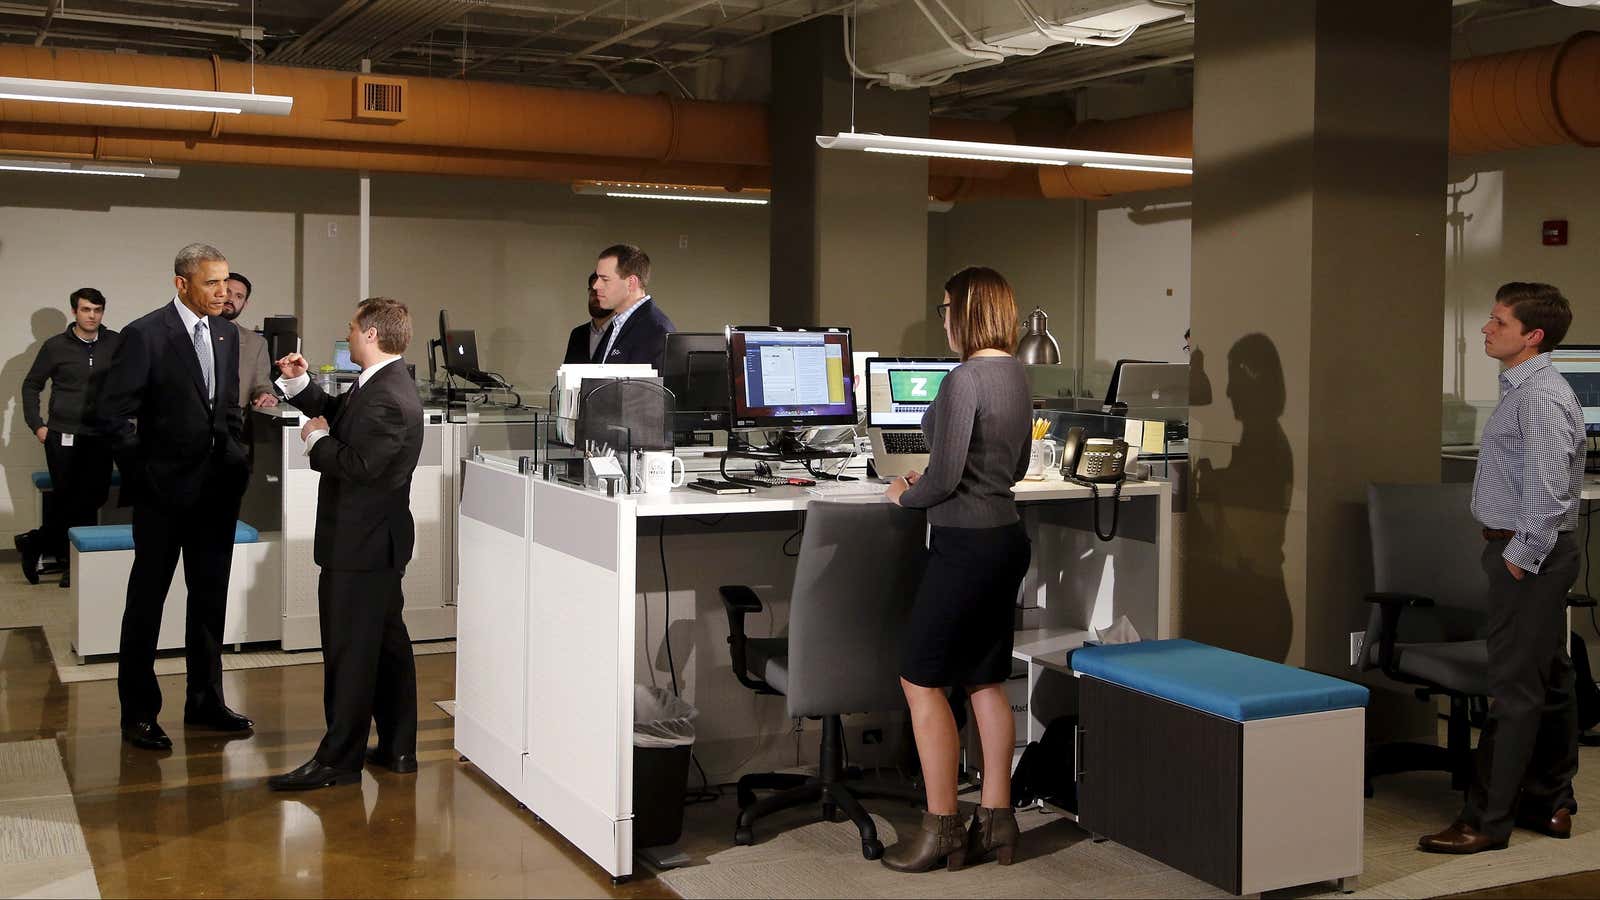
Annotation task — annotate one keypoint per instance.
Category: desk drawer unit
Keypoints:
(1238, 771)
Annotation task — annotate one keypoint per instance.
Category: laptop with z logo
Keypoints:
(899, 391)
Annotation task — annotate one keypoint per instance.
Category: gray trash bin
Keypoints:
(663, 737)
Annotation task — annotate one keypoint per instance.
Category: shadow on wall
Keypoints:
(1238, 517)
(45, 323)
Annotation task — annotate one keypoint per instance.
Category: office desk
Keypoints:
(554, 584)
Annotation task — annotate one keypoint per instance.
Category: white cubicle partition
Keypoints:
(549, 585)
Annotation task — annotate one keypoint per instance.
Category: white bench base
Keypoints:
(100, 591)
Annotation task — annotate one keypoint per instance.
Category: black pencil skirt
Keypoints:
(960, 631)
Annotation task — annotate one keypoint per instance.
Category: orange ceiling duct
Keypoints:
(1537, 97)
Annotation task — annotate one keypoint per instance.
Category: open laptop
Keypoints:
(461, 357)
(1150, 384)
(899, 391)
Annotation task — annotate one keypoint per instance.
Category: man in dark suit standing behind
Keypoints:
(171, 409)
(638, 330)
(585, 339)
(364, 540)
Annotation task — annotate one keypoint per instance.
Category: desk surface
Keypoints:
(686, 502)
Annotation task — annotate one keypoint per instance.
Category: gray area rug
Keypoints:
(1057, 859)
(42, 850)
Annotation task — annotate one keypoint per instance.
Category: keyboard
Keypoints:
(905, 442)
(774, 480)
(839, 490)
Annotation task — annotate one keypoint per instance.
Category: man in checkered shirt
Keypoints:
(1525, 494)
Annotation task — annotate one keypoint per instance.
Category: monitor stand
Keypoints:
(788, 447)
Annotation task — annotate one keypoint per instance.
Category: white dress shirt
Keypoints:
(291, 388)
(189, 321)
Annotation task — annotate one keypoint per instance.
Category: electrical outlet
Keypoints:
(1356, 639)
(683, 242)
(872, 736)
(333, 229)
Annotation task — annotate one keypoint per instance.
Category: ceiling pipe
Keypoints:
(1527, 98)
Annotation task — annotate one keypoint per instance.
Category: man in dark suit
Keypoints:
(585, 340)
(365, 443)
(171, 410)
(638, 330)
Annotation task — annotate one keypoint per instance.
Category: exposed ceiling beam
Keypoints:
(623, 35)
(242, 32)
(531, 39)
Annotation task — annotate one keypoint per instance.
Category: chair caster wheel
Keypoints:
(872, 849)
(830, 812)
(744, 837)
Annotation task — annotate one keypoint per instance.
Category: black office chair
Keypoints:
(1429, 618)
(860, 564)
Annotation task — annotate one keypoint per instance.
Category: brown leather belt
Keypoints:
(1498, 534)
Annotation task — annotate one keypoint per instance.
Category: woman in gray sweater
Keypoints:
(960, 628)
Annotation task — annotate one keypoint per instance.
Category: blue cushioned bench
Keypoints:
(1240, 771)
(102, 557)
(42, 482)
(99, 538)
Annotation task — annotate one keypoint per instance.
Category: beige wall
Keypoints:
(1035, 244)
(508, 259)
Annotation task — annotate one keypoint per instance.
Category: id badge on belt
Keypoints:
(66, 440)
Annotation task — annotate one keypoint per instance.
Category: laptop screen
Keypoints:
(900, 390)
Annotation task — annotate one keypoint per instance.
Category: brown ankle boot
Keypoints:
(993, 831)
(941, 839)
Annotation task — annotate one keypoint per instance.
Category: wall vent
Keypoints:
(380, 99)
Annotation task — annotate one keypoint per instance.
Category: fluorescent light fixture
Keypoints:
(638, 191)
(89, 93)
(1170, 170)
(85, 167)
(1020, 154)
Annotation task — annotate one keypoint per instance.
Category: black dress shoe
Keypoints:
(66, 579)
(28, 549)
(403, 764)
(311, 776)
(216, 717)
(146, 736)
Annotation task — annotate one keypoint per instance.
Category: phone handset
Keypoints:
(1092, 462)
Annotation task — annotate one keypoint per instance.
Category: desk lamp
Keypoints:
(1038, 347)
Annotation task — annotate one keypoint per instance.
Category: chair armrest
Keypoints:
(1388, 598)
(739, 600)
(1580, 601)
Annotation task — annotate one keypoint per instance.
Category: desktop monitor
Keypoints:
(282, 334)
(790, 377)
(900, 390)
(695, 369)
(1579, 364)
(341, 358)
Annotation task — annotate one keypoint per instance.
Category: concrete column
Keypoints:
(1318, 285)
(849, 229)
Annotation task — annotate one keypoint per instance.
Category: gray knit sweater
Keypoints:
(979, 431)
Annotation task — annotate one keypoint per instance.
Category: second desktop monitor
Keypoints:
(790, 378)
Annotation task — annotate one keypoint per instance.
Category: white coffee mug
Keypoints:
(657, 472)
(1043, 456)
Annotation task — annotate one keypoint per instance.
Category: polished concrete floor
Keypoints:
(199, 821)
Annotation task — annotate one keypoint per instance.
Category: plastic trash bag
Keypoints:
(660, 719)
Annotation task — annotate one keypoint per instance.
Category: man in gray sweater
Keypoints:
(74, 363)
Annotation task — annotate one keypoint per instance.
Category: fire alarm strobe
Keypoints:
(1554, 232)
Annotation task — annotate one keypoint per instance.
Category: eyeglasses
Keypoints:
(943, 310)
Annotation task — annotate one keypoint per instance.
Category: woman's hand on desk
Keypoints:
(900, 486)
